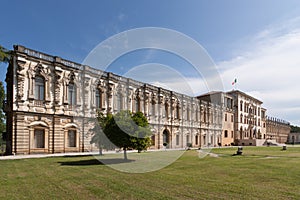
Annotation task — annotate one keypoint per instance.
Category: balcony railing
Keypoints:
(39, 103)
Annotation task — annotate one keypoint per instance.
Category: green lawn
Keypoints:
(260, 173)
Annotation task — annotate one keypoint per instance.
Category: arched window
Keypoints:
(39, 88)
(72, 94)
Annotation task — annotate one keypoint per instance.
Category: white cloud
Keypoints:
(270, 69)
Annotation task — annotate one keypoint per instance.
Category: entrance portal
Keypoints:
(166, 137)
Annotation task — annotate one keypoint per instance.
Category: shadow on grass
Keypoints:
(95, 162)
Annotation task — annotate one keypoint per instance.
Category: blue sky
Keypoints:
(255, 41)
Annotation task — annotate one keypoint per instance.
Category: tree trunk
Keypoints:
(100, 149)
(125, 153)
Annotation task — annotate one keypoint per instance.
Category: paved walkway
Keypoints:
(12, 157)
(16, 157)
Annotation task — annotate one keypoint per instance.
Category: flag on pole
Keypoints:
(234, 82)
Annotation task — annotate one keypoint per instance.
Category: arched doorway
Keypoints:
(166, 137)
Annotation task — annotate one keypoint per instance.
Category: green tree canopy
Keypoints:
(126, 130)
(2, 116)
(4, 54)
(295, 129)
(98, 136)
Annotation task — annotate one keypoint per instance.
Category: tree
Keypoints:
(2, 116)
(295, 129)
(141, 138)
(4, 55)
(128, 131)
(98, 136)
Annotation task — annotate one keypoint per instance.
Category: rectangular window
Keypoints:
(72, 138)
(39, 138)
(231, 118)
(72, 94)
(98, 99)
(231, 134)
(153, 139)
(262, 114)
(177, 139)
(196, 139)
(187, 139)
(225, 117)
(225, 133)
(137, 105)
(119, 103)
(229, 103)
(39, 88)
(153, 109)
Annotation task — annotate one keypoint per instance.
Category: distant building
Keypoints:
(293, 138)
(278, 129)
(50, 102)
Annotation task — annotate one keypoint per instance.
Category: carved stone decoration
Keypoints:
(109, 94)
(40, 70)
(153, 98)
(161, 99)
(137, 95)
(30, 73)
(21, 74)
(58, 83)
(86, 90)
(71, 77)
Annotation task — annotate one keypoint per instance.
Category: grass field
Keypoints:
(260, 173)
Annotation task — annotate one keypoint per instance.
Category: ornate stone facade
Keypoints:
(51, 100)
(250, 124)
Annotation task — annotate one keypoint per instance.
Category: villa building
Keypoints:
(50, 102)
